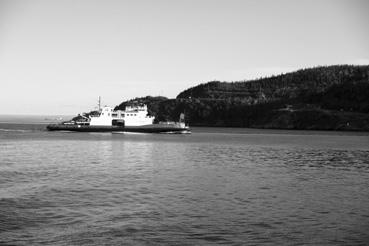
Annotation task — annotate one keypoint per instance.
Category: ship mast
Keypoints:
(99, 103)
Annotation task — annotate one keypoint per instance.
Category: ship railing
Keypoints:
(167, 122)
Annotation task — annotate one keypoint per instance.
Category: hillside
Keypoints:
(285, 86)
(327, 98)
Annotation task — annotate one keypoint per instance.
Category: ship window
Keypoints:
(114, 115)
(108, 114)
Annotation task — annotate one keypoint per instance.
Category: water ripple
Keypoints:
(81, 189)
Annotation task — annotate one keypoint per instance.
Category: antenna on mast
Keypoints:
(99, 103)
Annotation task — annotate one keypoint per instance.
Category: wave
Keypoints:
(14, 130)
(27, 122)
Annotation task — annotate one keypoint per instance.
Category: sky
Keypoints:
(57, 57)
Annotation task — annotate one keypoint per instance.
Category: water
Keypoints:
(215, 186)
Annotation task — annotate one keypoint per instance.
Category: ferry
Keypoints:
(132, 119)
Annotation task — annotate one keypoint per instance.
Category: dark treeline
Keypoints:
(334, 97)
(290, 85)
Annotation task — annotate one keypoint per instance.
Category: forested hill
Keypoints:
(285, 86)
(320, 98)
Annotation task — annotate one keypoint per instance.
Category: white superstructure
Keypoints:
(131, 116)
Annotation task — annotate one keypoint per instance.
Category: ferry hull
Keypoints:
(154, 128)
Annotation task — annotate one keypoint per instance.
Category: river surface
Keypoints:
(214, 186)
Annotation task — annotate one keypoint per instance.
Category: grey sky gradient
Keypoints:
(57, 57)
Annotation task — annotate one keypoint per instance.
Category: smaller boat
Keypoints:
(132, 119)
